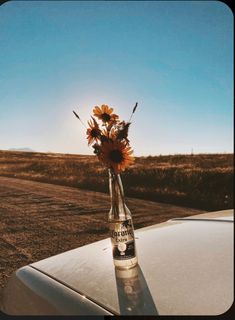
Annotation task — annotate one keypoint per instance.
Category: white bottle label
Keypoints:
(122, 237)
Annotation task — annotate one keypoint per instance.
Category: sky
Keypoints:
(175, 58)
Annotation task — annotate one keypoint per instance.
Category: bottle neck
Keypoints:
(118, 208)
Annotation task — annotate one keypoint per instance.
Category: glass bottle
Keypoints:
(121, 226)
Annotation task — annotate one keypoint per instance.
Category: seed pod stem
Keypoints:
(77, 116)
(133, 111)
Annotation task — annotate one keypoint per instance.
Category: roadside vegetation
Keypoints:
(201, 181)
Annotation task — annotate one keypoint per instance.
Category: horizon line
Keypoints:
(93, 155)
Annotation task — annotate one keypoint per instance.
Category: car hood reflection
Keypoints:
(133, 293)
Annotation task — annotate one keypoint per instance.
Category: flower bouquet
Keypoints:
(109, 137)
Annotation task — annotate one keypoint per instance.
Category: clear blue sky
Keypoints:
(174, 58)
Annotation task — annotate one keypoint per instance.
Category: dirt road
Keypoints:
(38, 220)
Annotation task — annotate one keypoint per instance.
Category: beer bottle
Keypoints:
(121, 226)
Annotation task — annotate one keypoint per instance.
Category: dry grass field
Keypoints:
(203, 181)
(39, 220)
(50, 203)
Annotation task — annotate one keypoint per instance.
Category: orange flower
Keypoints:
(105, 114)
(109, 134)
(116, 155)
(93, 133)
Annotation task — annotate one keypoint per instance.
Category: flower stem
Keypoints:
(77, 116)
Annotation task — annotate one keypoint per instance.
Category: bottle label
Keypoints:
(122, 237)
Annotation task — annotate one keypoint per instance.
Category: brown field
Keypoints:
(203, 181)
(39, 220)
(61, 209)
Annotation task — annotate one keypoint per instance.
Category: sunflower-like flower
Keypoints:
(105, 114)
(116, 155)
(111, 143)
(109, 134)
(93, 133)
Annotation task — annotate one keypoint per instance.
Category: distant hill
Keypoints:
(21, 149)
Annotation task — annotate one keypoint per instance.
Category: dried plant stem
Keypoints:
(133, 111)
(77, 116)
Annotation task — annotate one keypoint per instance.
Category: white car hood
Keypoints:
(185, 268)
